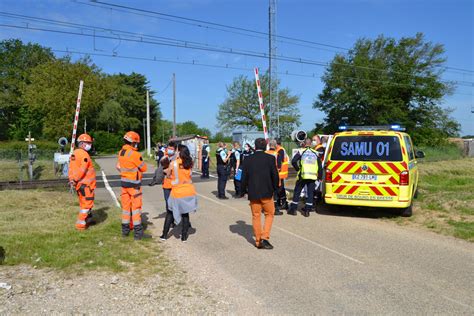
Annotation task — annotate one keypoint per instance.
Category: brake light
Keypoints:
(328, 176)
(404, 177)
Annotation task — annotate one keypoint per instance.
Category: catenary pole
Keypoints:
(174, 105)
(148, 136)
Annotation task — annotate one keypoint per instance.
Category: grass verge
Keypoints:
(445, 201)
(37, 228)
(13, 171)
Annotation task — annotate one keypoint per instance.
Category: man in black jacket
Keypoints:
(260, 179)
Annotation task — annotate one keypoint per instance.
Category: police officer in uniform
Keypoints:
(237, 157)
(308, 165)
(222, 159)
(205, 160)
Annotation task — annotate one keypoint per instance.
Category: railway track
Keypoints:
(114, 180)
(24, 185)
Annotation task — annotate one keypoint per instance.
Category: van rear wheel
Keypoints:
(407, 212)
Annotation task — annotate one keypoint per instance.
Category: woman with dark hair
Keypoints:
(183, 199)
(248, 151)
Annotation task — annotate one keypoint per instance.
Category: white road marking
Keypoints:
(457, 302)
(210, 175)
(107, 186)
(288, 232)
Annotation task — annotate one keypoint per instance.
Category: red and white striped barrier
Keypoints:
(262, 106)
(76, 117)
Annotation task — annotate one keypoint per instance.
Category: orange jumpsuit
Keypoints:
(82, 173)
(131, 166)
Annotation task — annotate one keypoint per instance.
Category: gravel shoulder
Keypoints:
(45, 291)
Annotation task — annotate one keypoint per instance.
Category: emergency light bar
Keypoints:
(393, 127)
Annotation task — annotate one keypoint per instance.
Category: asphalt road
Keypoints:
(331, 263)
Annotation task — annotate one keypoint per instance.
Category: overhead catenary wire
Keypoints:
(212, 49)
(210, 25)
(201, 23)
(195, 63)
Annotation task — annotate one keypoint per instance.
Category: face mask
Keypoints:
(314, 143)
(87, 147)
(170, 152)
(324, 145)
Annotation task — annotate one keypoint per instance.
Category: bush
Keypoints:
(40, 145)
(442, 152)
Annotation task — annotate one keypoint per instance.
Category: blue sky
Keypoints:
(201, 89)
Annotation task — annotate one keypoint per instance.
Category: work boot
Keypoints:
(292, 209)
(125, 230)
(277, 209)
(138, 232)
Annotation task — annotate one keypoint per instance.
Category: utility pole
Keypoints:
(274, 101)
(85, 125)
(144, 128)
(148, 136)
(174, 105)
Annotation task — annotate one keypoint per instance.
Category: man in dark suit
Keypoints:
(260, 179)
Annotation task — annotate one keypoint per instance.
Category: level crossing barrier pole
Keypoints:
(76, 117)
(262, 106)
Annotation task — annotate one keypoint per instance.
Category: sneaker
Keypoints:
(265, 244)
(184, 237)
(163, 237)
(278, 212)
(223, 198)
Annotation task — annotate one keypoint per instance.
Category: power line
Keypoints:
(202, 23)
(166, 88)
(213, 49)
(195, 63)
(223, 27)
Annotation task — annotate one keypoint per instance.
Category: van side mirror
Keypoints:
(419, 154)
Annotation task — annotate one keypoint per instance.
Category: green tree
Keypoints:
(241, 110)
(387, 81)
(130, 93)
(112, 116)
(16, 63)
(51, 96)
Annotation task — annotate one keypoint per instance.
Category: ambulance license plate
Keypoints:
(364, 177)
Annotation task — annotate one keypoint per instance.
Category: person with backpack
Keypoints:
(308, 165)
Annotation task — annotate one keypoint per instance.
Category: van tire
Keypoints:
(416, 194)
(407, 212)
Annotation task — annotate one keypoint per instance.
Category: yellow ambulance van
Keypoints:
(373, 166)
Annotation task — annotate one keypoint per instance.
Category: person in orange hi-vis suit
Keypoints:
(183, 198)
(131, 166)
(81, 175)
(282, 166)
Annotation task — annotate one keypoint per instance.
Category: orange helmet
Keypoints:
(132, 137)
(84, 138)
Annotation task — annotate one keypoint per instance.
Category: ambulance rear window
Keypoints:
(366, 148)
